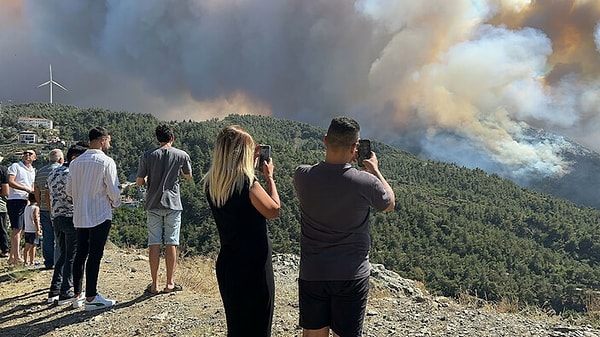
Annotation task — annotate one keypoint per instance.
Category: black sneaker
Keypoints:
(67, 298)
(52, 296)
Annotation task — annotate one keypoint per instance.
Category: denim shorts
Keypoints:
(163, 224)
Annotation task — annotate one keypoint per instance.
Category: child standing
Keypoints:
(33, 231)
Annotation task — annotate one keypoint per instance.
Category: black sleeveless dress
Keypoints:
(244, 266)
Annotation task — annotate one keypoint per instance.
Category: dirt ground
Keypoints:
(198, 311)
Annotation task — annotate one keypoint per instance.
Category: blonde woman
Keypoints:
(240, 206)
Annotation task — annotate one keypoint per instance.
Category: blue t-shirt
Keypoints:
(335, 202)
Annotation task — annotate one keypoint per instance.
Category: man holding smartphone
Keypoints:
(335, 200)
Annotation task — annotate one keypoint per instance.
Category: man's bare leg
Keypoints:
(323, 332)
(171, 262)
(154, 259)
(15, 249)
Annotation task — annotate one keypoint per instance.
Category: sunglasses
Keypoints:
(28, 153)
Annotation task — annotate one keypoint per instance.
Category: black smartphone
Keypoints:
(264, 155)
(364, 151)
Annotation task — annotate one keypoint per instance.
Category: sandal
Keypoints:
(176, 287)
(149, 291)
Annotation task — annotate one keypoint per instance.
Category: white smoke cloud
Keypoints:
(414, 72)
(515, 5)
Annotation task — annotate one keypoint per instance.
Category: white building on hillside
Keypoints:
(27, 137)
(37, 122)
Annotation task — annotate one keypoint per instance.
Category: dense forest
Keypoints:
(457, 230)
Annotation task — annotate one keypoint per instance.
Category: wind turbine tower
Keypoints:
(50, 83)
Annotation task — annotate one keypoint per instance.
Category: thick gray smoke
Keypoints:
(455, 80)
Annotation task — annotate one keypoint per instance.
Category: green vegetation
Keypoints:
(459, 231)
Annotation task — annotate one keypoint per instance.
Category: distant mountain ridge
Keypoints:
(559, 166)
(582, 184)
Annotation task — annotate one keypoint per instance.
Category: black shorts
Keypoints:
(341, 305)
(16, 208)
(31, 238)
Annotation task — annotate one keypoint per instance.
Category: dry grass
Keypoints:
(192, 273)
(15, 274)
(592, 301)
(508, 305)
(512, 305)
(196, 273)
(470, 301)
(421, 287)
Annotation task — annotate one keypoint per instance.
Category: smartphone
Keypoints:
(364, 151)
(264, 155)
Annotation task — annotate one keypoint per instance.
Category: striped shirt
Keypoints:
(94, 186)
(40, 183)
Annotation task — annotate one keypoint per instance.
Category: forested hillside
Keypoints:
(457, 230)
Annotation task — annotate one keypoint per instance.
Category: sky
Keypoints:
(459, 81)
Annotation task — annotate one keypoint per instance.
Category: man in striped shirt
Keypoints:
(94, 186)
(56, 158)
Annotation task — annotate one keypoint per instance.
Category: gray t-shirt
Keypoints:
(335, 201)
(162, 167)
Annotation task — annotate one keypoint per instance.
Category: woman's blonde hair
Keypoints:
(232, 165)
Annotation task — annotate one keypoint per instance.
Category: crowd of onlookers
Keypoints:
(70, 201)
(39, 206)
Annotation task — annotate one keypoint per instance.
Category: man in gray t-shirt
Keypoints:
(159, 170)
(335, 200)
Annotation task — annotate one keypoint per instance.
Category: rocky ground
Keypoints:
(397, 307)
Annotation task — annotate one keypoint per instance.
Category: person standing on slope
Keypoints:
(240, 207)
(94, 186)
(159, 170)
(335, 201)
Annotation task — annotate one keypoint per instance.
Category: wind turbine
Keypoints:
(50, 83)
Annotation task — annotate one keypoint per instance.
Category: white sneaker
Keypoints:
(99, 302)
(78, 300)
(66, 299)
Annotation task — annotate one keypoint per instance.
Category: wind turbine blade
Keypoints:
(60, 86)
(43, 84)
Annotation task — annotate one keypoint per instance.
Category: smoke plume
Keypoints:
(438, 77)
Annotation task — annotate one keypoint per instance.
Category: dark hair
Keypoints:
(342, 132)
(76, 150)
(31, 197)
(164, 133)
(98, 132)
